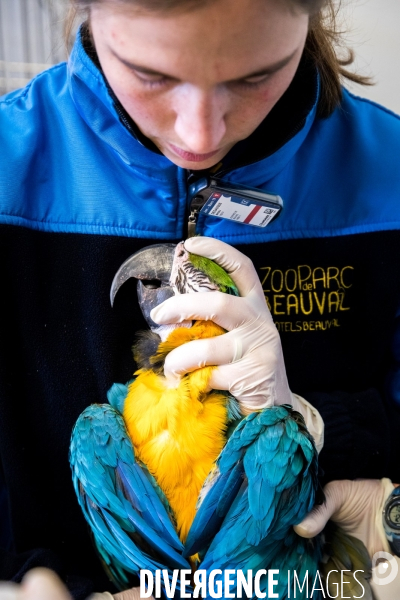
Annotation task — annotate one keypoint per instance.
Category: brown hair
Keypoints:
(323, 40)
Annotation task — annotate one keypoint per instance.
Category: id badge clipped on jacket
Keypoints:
(235, 202)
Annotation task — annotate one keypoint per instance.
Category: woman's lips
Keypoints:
(190, 156)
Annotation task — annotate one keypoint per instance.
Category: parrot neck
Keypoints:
(163, 331)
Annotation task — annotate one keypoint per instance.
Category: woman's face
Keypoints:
(197, 82)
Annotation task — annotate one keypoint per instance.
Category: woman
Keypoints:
(98, 157)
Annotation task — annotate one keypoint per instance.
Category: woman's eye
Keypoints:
(152, 80)
(253, 82)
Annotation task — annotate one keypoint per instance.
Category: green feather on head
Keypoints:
(216, 273)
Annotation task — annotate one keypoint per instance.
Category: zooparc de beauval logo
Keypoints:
(242, 584)
(308, 297)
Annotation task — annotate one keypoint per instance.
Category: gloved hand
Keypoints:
(38, 584)
(132, 594)
(43, 584)
(356, 506)
(249, 356)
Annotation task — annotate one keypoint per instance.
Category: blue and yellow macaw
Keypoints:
(176, 478)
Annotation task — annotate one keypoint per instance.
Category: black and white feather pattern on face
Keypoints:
(185, 277)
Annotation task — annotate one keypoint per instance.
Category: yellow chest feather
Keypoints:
(178, 433)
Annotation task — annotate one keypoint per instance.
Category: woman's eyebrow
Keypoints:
(271, 68)
(139, 68)
(265, 71)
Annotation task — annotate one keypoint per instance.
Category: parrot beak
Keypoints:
(152, 267)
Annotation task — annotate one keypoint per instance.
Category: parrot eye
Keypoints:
(151, 284)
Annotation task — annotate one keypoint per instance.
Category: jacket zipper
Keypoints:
(195, 207)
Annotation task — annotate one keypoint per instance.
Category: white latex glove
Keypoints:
(386, 579)
(249, 356)
(38, 584)
(132, 594)
(356, 506)
(43, 584)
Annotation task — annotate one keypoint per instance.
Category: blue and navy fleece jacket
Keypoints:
(81, 190)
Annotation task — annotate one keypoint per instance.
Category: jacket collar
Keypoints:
(96, 106)
(265, 152)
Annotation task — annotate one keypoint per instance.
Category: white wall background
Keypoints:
(374, 32)
(31, 37)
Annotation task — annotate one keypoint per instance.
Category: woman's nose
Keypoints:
(200, 119)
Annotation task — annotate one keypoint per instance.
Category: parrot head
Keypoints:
(162, 271)
(151, 266)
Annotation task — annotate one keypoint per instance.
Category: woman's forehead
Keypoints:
(227, 39)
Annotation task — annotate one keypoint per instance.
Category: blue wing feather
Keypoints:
(131, 526)
(116, 396)
(274, 489)
(263, 483)
(214, 508)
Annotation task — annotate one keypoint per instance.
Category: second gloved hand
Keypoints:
(131, 594)
(38, 584)
(356, 506)
(249, 356)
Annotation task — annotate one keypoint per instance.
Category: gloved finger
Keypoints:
(43, 584)
(251, 393)
(131, 594)
(10, 591)
(238, 265)
(316, 520)
(219, 350)
(227, 311)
